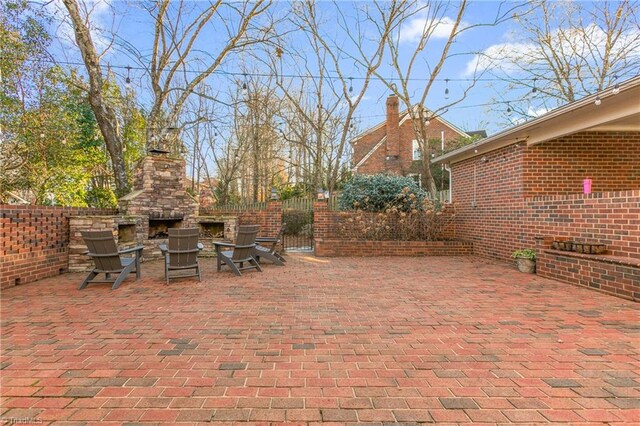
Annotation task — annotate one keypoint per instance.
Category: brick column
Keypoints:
(274, 218)
(321, 224)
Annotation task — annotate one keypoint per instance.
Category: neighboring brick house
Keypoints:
(391, 147)
(523, 188)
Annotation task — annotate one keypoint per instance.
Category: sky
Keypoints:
(484, 107)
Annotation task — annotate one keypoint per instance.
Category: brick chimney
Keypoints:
(393, 129)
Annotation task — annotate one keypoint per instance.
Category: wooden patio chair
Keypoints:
(182, 252)
(103, 250)
(243, 250)
(267, 247)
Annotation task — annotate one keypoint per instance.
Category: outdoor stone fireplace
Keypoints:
(158, 202)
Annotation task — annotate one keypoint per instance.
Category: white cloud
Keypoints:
(503, 56)
(537, 112)
(414, 30)
(584, 46)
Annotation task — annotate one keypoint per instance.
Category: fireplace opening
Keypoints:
(126, 233)
(159, 228)
(212, 230)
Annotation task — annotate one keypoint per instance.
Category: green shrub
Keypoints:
(376, 193)
(524, 254)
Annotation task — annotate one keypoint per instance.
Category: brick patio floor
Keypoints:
(336, 340)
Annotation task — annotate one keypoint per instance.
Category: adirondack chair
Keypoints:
(267, 247)
(242, 251)
(103, 250)
(182, 252)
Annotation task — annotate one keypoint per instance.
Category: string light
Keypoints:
(616, 87)
(535, 89)
(508, 108)
(427, 121)
(446, 90)
(598, 100)
(245, 88)
(264, 74)
(127, 81)
(350, 84)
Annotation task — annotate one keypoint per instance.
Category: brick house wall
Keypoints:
(511, 208)
(34, 241)
(610, 159)
(506, 198)
(402, 162)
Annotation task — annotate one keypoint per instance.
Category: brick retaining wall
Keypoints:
(328, 242)
(354, 248)
(34, 241)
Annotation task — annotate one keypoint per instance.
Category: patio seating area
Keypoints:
(446, 339)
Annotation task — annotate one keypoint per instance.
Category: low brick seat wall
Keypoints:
(615, 275)
(354, 248)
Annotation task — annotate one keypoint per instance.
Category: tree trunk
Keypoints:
(105, 115)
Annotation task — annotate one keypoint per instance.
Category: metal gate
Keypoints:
(297, 213)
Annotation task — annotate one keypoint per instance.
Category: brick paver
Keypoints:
(337, 340)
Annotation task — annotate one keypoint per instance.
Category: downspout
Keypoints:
(448, 169)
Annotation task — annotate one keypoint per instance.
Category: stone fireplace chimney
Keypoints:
(393, 128)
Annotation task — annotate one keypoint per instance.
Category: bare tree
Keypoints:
(178, 66)
(433, 20)
(322, 109)
(105, 113)
(567, 50)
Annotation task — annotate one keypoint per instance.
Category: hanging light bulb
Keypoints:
(508, 108)
(446, 90)
(427, 121)
(127, 81)
(245, 88)
(598, 100)
(535, 89)
(350, 84)
(616, 87)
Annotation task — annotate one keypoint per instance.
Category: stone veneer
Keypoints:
(159, 193)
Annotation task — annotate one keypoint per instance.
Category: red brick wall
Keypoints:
(613, 275)
(325, 234)
(494, 211)
(34, 241)
(504, 219)
(378, 163)
(338, 248)
(610, 159)
(488, 199)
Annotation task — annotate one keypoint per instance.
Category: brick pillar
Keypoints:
(274, 218)
(393, 129)
(320, 219)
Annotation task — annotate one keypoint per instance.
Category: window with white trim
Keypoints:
(417, 152)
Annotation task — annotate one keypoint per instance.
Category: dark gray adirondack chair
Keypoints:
(267, 248)
(106, 257)
(182, 252)
(242, 251)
